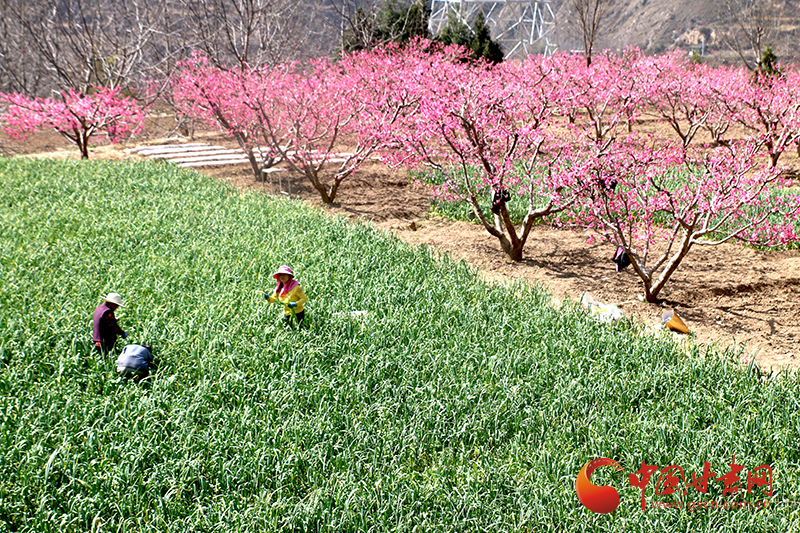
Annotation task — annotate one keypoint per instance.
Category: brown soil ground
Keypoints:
(726, 294)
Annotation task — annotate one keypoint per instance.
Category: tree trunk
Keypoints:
(255, 165)
(79, 138)
(333, 190)
(83, 144)
(326, 199)
(651, 290)
(319, 186)
(651, 297)
(514, 245)
(512, 252)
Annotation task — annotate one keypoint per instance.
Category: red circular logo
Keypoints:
(599, 499)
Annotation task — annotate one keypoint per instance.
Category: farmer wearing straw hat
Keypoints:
(104, 324)
(290, 294)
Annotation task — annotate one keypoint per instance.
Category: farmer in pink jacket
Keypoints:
(290, 294)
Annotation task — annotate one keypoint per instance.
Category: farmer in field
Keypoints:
(135, 361)
(290, 294)
(105, 328)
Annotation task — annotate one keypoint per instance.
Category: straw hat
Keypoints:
(113, 298)
(283, 270)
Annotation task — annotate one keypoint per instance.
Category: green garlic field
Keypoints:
(452, 405)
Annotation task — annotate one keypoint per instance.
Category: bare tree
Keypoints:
(17, 72)
(254, 32)
(48, 46)
(80, 43)
(356, 22)
(748, 26)
(589, 17)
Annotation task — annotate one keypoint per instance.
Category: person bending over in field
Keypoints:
(290, 294)
(104, 324)
(135, 361)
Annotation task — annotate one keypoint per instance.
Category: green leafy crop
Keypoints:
(452, 405)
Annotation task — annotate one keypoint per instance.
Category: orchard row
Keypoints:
(559, 133)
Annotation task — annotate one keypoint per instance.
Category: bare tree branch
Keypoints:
(748, 26)
(80, 43)
(52, 46)
(254, 32)
(590, 14)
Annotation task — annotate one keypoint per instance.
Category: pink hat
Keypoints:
(283, 270)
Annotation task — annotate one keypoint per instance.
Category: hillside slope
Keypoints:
(657, 26)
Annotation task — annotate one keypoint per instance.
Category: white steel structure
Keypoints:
(522, 27)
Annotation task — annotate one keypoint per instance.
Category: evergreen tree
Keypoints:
(767, 65)
(397, 22)
(482, 43)
(477, 39)
(455, 32)
(417, 21)
(400, 22)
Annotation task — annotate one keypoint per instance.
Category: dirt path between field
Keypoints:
(724, 294)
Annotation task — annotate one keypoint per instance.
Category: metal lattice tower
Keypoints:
(522, 27)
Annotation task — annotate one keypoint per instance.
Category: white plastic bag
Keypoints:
(600, 311)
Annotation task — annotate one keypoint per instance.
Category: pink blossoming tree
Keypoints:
(768, 108)
(78, 117)
(206, 92)
(484, 129)
(322, 119)
(657, 202)
(676, 93)
(307, 113)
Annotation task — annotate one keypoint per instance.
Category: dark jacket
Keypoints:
(104, 327)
